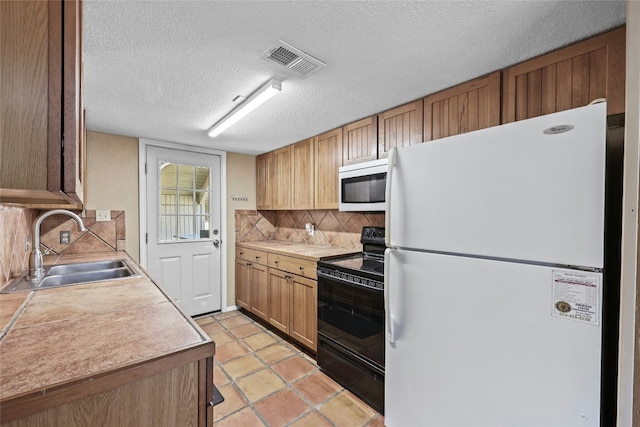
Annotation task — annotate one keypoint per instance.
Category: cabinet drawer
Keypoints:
(251, 255)
(300, 267)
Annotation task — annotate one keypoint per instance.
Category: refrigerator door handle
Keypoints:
(387, 303)
(387, 198)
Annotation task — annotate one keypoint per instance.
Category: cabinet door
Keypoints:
(243, 288)
(328, 158)
(278, 298)
(264, 180)
(40, 101)
(304, 311)
(464, 108)
(302, 174)
(30, 73)
(259, 290)
(567, 78)
(400, 127)
(74, 152)
(281, 184)
(360, 141)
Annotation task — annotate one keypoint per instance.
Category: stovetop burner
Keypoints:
(368, 264)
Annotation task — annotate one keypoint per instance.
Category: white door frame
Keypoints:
(142, 198)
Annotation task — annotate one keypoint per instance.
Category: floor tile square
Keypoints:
(223, 337)
(259, 341)
(240, 367)
(246, 330)
(261, 384)
(244, 418)
(293, 368)
(219, 377)
(233, 401)
(345, 410)
(274, 353)
(230, 350)
(312, 419)
(281, 408)
(317, 387)
(212, 328)
(235, 321)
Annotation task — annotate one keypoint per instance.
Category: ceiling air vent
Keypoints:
(293, 60)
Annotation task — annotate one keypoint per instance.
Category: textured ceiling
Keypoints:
(168, 70)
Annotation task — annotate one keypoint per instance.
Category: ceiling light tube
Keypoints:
(254, 101)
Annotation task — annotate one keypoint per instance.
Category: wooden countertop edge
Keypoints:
(260, 245)
(21, 406)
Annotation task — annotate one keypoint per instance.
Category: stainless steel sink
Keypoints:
(74, 274)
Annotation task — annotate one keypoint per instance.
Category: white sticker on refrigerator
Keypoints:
(575, 296)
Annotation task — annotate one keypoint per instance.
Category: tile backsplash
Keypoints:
(16, 228)
(332, 227)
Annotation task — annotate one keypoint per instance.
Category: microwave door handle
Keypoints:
(387, 197)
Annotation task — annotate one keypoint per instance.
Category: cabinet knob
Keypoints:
(301, 268)
(276, 261)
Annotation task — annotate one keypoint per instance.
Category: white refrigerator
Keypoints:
(493, 275)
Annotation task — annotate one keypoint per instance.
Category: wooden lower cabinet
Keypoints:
(252, 281)
(303, 323)
(283, 292)
(279, 297)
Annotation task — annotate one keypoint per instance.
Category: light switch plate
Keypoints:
(103, 215)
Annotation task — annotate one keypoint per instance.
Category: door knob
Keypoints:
(216, 243)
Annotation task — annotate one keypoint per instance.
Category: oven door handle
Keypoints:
(387, 302)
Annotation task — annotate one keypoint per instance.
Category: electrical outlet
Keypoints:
(65, 237)
(310, 228)
(103, 215)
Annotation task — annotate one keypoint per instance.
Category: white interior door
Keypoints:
(183, 226)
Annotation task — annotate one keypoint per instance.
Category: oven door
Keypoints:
(352, 316)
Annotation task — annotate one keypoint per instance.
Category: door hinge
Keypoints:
(145, 168)
(146, 237)
(62, 143)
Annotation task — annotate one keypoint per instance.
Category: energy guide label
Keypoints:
(576, 295)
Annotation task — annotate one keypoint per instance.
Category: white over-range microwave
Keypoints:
(362, 186)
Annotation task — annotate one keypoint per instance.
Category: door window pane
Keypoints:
(185, 197)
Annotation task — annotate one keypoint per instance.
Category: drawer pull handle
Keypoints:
(301, 268)
(276, 261)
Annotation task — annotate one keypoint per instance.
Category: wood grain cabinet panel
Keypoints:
(304, 308)
(302, 174)
(328, 159)
(464, 108)
(567, 78)
(281, 184)
(264, 180)
(360, 141)
(243, 284)
(278, 297)
(400, 127)
(41, 100)
(259, 290)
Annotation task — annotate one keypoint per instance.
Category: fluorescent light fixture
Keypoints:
(256, 99)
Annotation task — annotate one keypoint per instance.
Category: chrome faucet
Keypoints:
(36, 268)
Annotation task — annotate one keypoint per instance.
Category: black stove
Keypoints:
(365, 268)
(351, 319)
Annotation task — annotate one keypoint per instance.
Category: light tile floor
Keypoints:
(267, 381)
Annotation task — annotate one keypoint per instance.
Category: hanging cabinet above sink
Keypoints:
(42, 160)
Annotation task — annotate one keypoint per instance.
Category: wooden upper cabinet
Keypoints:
(41, 104)
(360, 141)
(400, 127)
(302, 174)
(567, 78)
(464, 108)
(264, 180)
(281, 182)
(328, 159)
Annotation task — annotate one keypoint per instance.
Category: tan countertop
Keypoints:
(299, 250)
(69, 335)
